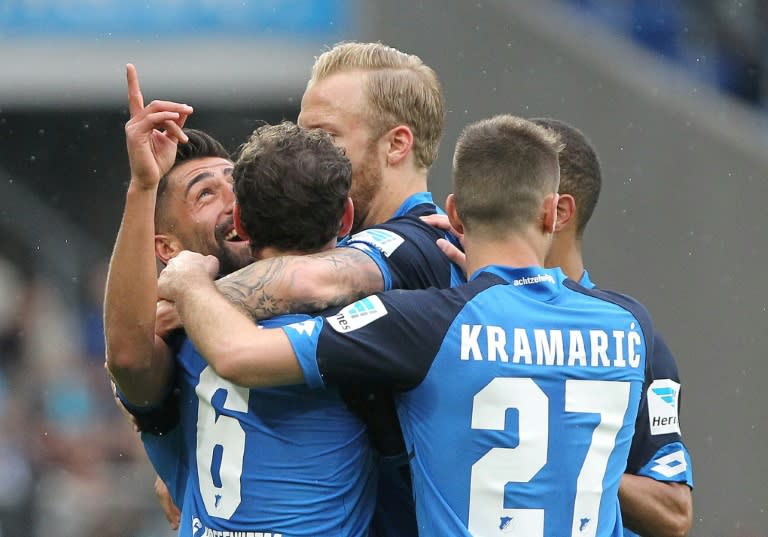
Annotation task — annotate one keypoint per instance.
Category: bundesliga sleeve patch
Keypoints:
(662, 406)
(358, 315)
(384, 240)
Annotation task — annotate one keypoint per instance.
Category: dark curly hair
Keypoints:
(291, 184)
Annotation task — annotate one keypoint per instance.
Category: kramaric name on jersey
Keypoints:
(585, 348)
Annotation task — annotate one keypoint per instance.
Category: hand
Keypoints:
(166, 318)
(186, 271)
(171, 512)
(440, 221)
(152, 152)
(450, 250)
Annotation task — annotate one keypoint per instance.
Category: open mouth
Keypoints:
(232, 236)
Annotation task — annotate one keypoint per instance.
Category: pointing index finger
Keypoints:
(135, 98)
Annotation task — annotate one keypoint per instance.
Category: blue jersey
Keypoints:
(167, 453)
(405, 248)
(658, 451)
(520, 391)
(162, 438)
(286, 461)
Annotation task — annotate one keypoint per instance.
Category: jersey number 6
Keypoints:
(219, 472)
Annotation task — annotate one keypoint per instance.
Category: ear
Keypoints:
(399, 144)
(239, 223)
(550, 212)
(453, 214)
(566, 212)
(346, 219)
(166, 247)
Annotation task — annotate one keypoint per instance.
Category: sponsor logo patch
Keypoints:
(384, 240)
(358, 315)
(662, 406)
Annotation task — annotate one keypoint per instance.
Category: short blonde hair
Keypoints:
(400, 88)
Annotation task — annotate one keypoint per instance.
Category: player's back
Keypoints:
(523, 422)
(286, 461)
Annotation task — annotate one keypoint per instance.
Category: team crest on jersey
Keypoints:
(662, 406)
(197, 527)
(384, 240)
(358, 315)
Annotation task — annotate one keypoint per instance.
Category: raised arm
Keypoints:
(302, 284)
(137, 360)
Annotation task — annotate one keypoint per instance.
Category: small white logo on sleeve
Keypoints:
(358, 315)
(304, 327)
(671, 465)
(384, 240)
(662, 406)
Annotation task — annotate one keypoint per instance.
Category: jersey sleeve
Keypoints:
(386, 341)
(157, 419)
(407, 254)
(658, 451)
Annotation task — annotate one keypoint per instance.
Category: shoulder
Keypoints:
(626, 302)
(620, 299)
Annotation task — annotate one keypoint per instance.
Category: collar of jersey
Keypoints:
(539, 281)
(584, 281)
(419, 198)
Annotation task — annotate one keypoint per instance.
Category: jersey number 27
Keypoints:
(499, 466)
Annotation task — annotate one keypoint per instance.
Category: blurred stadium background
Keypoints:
(672, 93)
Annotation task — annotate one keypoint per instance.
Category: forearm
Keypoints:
(131, 296)
(302, 284)
(654, 508)
(236, 348)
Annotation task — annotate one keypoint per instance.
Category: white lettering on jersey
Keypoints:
(670, 465)
(358, 315)
(198, 530)
(384, 240)
(662, 406)
(553, 347)
(538, 278)
(469, 344)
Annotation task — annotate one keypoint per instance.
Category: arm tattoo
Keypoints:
(268, 288)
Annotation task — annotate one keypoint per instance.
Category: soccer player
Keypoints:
(518, 391)
(655, 493)
(286, 461)
(386, 109)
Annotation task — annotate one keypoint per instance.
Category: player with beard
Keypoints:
(517, 391)
(288, 461)
(386, 109)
